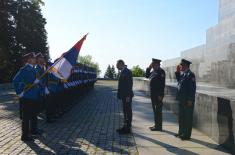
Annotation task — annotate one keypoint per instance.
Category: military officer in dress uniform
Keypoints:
(26, 87)
(51, 101)
(157, 86)
(186, 96)
(40, 69)
(60, 98)
(125, 93)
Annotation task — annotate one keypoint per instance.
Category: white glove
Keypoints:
(21, 95)
(47, 91)
(36, 81)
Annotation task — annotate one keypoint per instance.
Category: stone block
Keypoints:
(214, 61)
(226, 9)
(214, 111)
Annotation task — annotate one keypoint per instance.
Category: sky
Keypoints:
(133, 30)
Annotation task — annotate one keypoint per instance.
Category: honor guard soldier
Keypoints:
(40, 69)
(51, 102)
(186, 96)
(125, 93)
(26, 87)
(157, 86)
(60, 97)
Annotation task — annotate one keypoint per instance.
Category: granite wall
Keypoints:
(214, 113)
(226, 9)
(214, 61)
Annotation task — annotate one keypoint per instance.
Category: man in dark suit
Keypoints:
(157, 86)
(186, 96)
(125, 93)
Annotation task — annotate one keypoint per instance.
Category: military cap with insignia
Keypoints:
(185, 62)
(156, 60)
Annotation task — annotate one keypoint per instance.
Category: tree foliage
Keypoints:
(22, 29)
(110, 72)
(137, 71)
(87, 60)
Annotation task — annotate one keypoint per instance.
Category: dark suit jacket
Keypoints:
(157, 81)
(125, 84)
(186, 86)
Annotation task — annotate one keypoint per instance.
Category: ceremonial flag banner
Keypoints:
(63, 66)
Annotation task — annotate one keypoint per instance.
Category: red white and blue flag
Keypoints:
(63, 66)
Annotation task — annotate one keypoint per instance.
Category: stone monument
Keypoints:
(214, 67)
(214, 61)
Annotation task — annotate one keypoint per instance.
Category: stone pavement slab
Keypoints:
(89, 127)
(156, 142)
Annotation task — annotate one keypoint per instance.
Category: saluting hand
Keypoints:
(178, 68)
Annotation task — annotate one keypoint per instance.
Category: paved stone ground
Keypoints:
(165, 143)
(89, 128)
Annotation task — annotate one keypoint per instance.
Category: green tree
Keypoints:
(31, 35)
(22, 29)
(7, 41)
(87, 60)
(110, 72)
(137, 71)
(113, 72)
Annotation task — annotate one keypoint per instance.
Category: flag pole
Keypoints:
(84, 37)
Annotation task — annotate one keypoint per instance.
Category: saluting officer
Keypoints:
(157, 86)
(186, 96)
(125, 93)
(26, 87)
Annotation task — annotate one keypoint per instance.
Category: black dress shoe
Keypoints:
(177, 135)
(27, 138)
(152, 127)
(120, 129)
(125, 131)
(156, 129)
(184, 138)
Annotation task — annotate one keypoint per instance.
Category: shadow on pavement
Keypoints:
(168, 147)
(145, 109)
(89, 127)
(210, 145)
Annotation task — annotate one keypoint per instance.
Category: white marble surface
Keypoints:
(214, 61)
